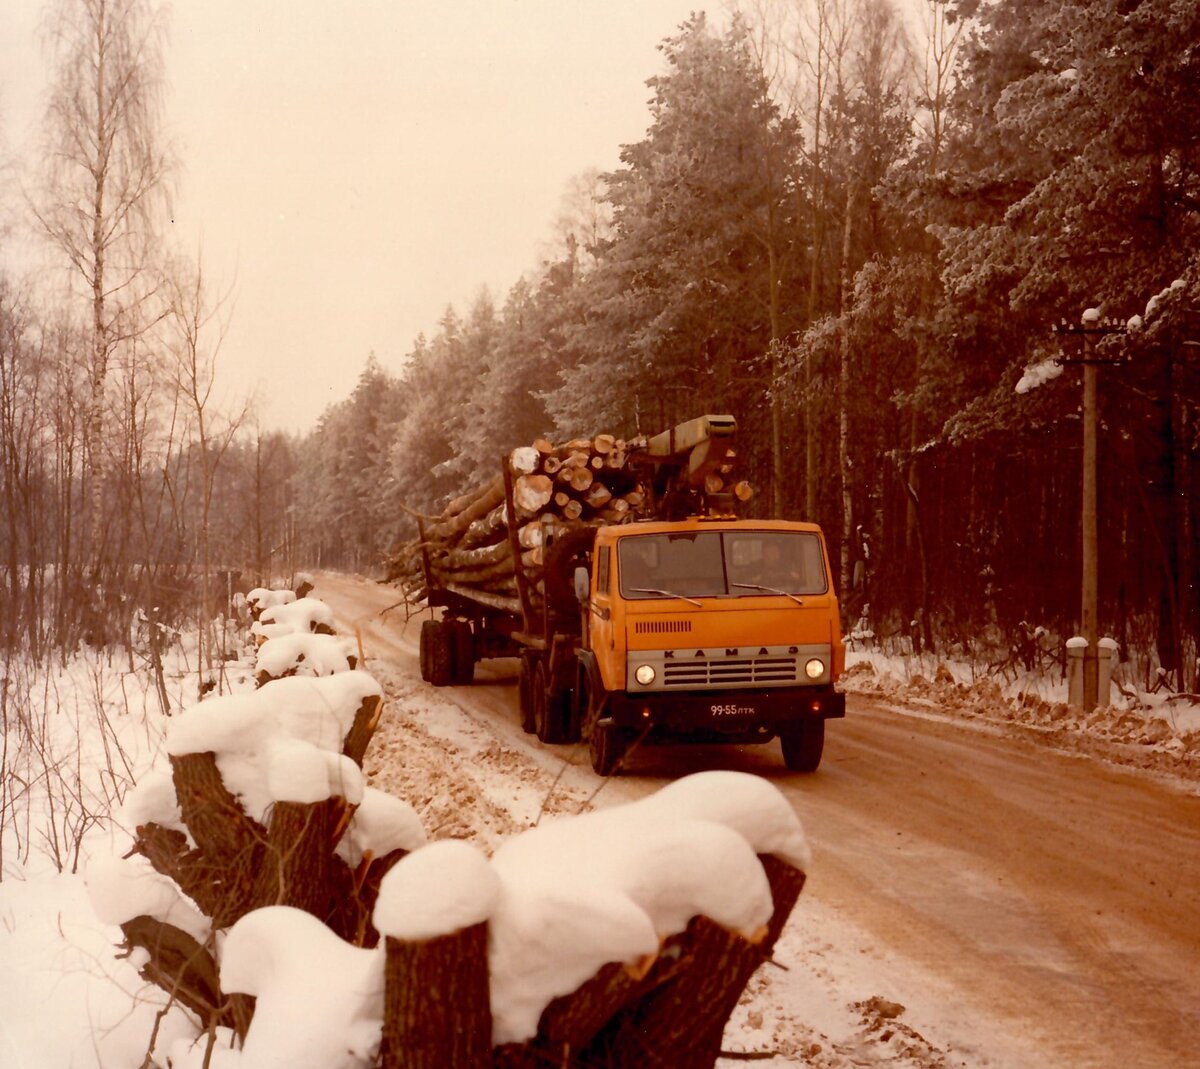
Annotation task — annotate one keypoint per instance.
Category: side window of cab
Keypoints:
(603, 569)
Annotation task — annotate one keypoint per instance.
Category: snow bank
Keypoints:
(124, 888)
(304, 653)
(319, 999)
(304, 615)
(444, 888)
(381, 823)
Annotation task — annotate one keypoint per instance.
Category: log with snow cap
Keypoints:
(262, 597)
(571, 896)
(303, 654)
(433, 907)
(382, 825)
(246, 733)
(582, 892)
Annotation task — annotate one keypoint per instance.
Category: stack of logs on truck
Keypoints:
(466, 558)
(510, 564)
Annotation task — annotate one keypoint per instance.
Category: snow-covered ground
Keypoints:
(79, 739)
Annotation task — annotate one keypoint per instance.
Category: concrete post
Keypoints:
(1076, 656)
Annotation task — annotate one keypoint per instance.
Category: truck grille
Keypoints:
(760, 671)
(662, 627)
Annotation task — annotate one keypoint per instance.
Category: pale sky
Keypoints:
(353, 168)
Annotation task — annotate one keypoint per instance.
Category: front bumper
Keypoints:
(725, 715)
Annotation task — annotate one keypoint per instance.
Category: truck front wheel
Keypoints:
(803, 743)
(606, 742)
(606, 747)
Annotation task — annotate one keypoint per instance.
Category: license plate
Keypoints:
(731, 709)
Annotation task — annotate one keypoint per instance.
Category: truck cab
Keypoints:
(708, 629)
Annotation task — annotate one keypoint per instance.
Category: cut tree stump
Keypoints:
(296, 866)
(227, 840)
(184, 968)
(672, 1014)
(437, 1009)
(358, 738)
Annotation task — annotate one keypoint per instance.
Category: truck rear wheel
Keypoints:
(803, 743)
(549, 717)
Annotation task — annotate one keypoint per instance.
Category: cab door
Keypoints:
(602, 625)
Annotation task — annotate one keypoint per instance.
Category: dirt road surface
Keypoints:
(1018, 905)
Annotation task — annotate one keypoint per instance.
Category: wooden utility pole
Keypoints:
(1090, 525)
(1090, 325)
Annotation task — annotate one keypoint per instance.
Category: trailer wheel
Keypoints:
(441, 655)
(803, 743)
(426, 658)
(462, 649)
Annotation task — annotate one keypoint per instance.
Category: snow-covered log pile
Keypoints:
(262, 597)
(295, 635)
(304, 920)
(469, 549)
(623, 937)
(307, 615)
(303, 653)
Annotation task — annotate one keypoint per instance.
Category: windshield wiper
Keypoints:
(665, 594)
(769, 590)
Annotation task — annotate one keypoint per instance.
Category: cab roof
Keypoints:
(704, 523)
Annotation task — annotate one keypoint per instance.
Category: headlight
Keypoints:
(644, 674)
(815, 668)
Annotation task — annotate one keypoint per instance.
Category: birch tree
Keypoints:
(104, 180)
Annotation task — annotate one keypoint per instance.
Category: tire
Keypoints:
(462, 648)
(607, 744)
(548, 716)
(606, 747)
(427, 629)
(441, 656)
(803, 743)
(525, 695)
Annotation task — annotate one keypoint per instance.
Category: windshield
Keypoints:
(703, 564)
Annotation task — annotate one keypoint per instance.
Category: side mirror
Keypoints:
(582, 584)
(860, 569)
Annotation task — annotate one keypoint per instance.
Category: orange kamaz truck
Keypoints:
(690, 626)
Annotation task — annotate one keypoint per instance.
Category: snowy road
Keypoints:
(1020, 906)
